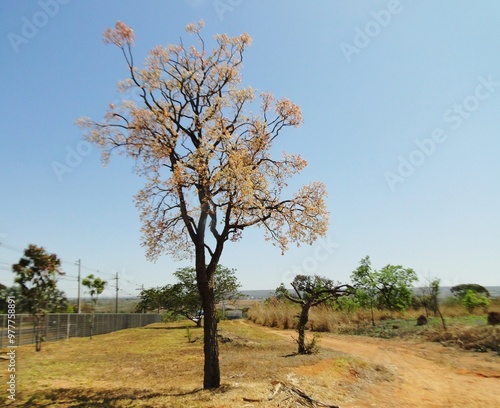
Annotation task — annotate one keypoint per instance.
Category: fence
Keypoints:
(60, 326)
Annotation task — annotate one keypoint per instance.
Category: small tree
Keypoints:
(429, 299)
(365, 285)
(37, 273)
(394, 285)
(471, 300)
(311, 291)
(96, 287)
(389, 288)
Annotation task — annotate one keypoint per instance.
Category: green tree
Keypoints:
(281, 293)
(311, 291)
(95, 287)
(365, 283)
(471, 299)
(460, 290)
(394, 286)
(207, 160)
(5, 292)
(389, 288)
(150, 299)
(183, 298)
(36, 274)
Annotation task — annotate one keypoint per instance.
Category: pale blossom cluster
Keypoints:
(195, 27)
(120, 35)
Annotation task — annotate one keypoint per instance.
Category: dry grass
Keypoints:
(464, 330)
(478, 338)
(157, 367)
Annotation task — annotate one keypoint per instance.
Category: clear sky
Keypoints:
(401, 103)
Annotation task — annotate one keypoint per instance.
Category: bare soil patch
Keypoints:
(424, 374)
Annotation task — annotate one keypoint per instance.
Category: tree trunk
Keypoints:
(211, 372)
(301, 328)
(205, 281)
(38, 331)
(373, 316)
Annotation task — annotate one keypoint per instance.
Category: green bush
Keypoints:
(169, 316)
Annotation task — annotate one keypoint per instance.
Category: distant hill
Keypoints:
(264, 294)
(258, 294)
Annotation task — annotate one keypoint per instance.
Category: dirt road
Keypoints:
(425, 374)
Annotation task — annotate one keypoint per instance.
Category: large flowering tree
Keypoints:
(206, 159)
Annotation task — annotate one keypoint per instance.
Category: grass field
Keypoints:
(156, 366)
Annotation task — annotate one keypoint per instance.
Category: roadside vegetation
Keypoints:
(464, 329)
(383, 303)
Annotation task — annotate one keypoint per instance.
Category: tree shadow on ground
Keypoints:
(173, 327)
(88, 398)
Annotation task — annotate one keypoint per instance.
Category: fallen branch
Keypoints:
(291, 391)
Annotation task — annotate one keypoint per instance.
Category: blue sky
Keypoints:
(401, 106)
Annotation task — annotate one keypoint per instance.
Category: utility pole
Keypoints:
(116, 301)
(79, 263)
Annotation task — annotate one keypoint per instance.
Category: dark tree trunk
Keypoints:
(205, 280)
(39, 329)
(211, 346)
(301, 328)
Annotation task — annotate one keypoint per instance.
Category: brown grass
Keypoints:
(157, 367)
(464, 330)
(284, 315)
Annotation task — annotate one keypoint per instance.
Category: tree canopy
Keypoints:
(95, 286)
(471, 296)
(460, 290)
(36, 275)
(206, 160)
(388, 288)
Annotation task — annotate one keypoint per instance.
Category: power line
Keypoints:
(71, 278)
(11, 248)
